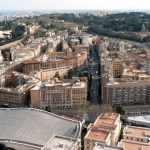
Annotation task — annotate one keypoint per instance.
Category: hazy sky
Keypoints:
(74, 4)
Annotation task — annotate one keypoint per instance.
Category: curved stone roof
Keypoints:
(35, 126)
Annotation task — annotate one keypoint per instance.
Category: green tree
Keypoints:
(72, 73)
(118, 109)
(18, 31)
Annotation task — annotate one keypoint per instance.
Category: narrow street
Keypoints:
(94, 70)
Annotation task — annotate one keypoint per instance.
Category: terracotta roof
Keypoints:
(137, 131)
(129, 145)
(107, 120)
(31, 62)
(97, 134)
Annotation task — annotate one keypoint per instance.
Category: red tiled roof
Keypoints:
(97, 134)
(31, 62)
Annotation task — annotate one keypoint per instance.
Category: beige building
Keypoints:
(95, 135)
(132, 74)
(15, 89)
(109, 127)
(130, 145)
(101, 146)
(32, 66)
(133, 87)
(117, 69)
(135, 138)
(59, 94)
(50, 73)
(32, 28)
(80, 48)
(127, 93)
(137, 134)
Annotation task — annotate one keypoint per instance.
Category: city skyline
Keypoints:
(74, 4)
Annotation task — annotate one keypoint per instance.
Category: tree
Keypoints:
(18, 31)
(39, 33)
(71, 73)
(118, 109)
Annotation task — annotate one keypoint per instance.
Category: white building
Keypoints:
(62, 143)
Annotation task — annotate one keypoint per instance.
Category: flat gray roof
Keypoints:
(20, 146)
(144, 119)
(35, 126)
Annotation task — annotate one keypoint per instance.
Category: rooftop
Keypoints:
(129, 145)
(100, 146)
(60, 143)
(137, 131)
(129, 84)
(97, 134)
(55, 69)
(64, 83)
(106, 120)
(35, 126)
(32, 62)
(142, 119)
(16, 82)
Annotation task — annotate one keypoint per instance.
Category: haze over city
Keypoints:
(74, 4)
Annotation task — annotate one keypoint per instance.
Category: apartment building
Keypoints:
(135, 138)
(116, 45)
(137, 134)
(110, 122)
(56, 94)
(127, 93)
(109, 127)
(130, 145)
(32, 66)
(131, 74)
(117, 69)
(51, 73)
(15, 89)
(148, 66)
(80, 48)
(95, 135)
(31, 28)
(56, 54)
(79, 60)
